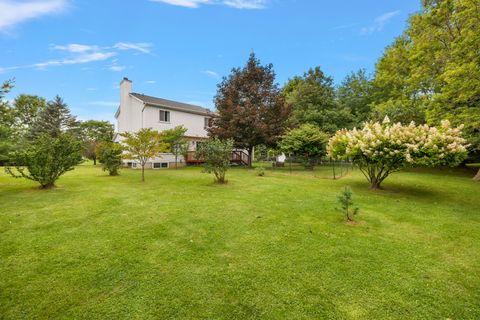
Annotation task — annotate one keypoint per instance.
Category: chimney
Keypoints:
(125, 90)
(125, 86)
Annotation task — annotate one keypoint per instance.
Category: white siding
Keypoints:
(194, 123)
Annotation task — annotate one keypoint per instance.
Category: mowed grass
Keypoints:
(273, 247)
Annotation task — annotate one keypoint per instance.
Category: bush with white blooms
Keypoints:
(380, 149)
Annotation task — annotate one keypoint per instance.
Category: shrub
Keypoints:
(216, 153)
(345, 199)
(307, 142)
(110, 156)
(46, 158)
(260, 171)
(380, 149)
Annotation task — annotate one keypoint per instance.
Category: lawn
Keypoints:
(270, 247)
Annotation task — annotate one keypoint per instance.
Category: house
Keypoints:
(138, 111)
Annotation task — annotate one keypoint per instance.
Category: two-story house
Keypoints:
(137, 111)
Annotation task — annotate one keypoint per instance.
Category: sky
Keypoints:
(180, 49)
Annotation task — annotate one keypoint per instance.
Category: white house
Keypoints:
(137, 111)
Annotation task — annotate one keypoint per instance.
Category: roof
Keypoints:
(169, 104)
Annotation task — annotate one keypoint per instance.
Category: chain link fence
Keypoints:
(320, 167)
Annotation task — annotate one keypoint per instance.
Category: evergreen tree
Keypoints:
(54, 119)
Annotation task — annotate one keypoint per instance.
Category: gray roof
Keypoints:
(169, 104)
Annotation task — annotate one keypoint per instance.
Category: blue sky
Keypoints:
(180, 49)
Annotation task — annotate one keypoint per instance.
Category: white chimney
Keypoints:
(125, 90)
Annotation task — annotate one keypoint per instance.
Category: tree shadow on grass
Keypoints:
(393, 188)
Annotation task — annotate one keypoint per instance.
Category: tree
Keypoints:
(307, 141)
(143, 145)
(434, 66)
(345, 199)
(251, 109)
(313, 101)
(55, 119)
(6, 122)
(46, 158)
(110, 156)
(216, 153)
(26, 109)
(356, 94)
(93, 132)
(176, 139)
(380, 149)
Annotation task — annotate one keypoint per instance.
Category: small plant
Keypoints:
(260, 171)
(345, 199)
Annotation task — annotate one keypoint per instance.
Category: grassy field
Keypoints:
(272, 247)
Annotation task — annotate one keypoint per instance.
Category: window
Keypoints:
(158, 165)
(207, 123)
(164, 116)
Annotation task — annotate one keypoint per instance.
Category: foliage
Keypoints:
(345, 199)
(313, 101)
(251, 109)
(6, 122)
(143, 145)
(26, 109)
(92, 133)
(176, 139)
(53, 120)
(110, 156)
(46, 158)
(356, 94)
(260, 171)
(435, 67)
(307, 141)
(216, 153)
(380, 149)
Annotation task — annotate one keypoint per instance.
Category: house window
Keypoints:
(207, 123)
(159, 165)
(164, 116)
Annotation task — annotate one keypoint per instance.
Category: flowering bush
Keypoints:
(382, 148)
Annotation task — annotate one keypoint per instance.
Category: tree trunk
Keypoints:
(94, 161)
(250, 156)
(143, 173)
(477, 177)
(47, 186)
(176, 156)
(375, 183)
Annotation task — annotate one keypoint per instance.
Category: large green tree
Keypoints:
(6, 122)
(92, 133)
(251, 109)
(313, 100)
(434, 66)
(356, 94)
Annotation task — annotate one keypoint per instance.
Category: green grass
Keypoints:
(272, 247)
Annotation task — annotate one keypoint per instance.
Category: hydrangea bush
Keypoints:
(380, 149)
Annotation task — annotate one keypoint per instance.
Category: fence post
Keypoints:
(333, 162)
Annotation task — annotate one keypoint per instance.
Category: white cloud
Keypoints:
(238, 4)
(116, 68)
(76, 48)
(379, 22)
(84, 53)
(15, 12)
(245, 4)
(92, 89)
(151, 81)
(140, 47)
(211, 73)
